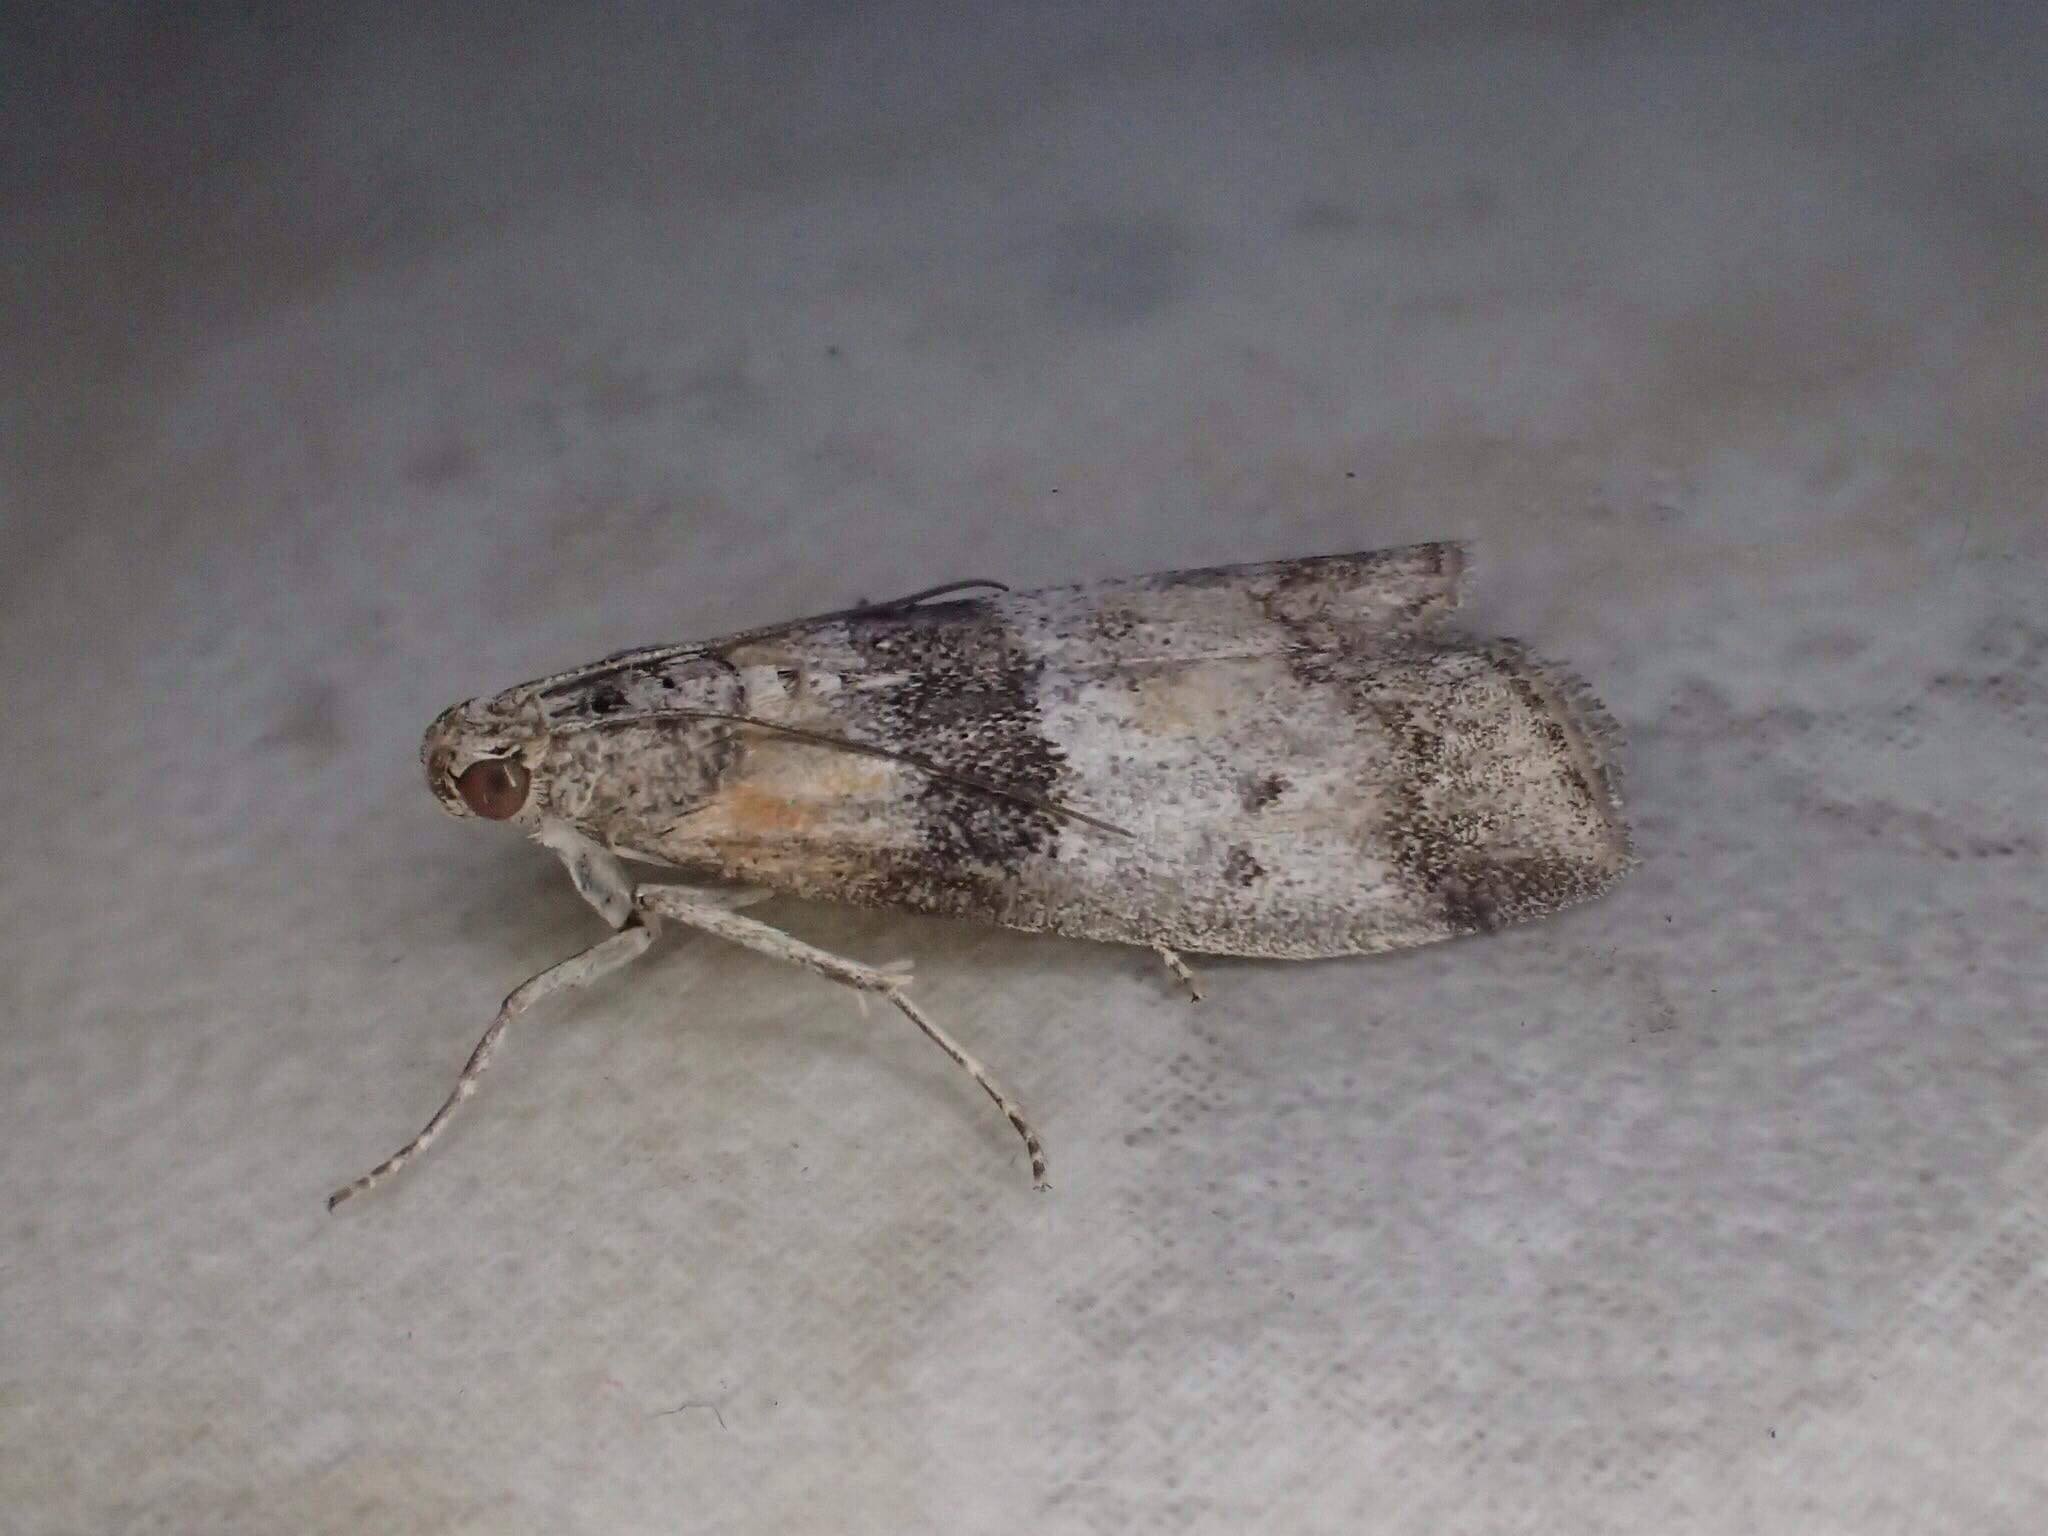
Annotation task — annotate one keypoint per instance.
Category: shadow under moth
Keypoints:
(1287, 760)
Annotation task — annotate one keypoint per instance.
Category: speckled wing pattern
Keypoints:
(1301, 761)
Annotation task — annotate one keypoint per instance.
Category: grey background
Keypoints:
(355, 363)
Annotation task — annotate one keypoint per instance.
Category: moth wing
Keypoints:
(1300, 770)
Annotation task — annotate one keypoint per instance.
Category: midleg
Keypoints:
(689, 908)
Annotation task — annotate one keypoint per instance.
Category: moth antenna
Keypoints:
(867, 610)
(943, 589)
(847, 744)
(643, 654)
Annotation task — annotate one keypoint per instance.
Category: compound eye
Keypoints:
(495, 788)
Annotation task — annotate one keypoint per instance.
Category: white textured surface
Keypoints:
(354, 367)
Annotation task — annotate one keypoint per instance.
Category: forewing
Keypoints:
(1301, 767)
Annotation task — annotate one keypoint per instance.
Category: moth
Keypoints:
(1289, 760)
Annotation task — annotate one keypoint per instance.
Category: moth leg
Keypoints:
(683, 906)
(601, 959)
(1179, 967)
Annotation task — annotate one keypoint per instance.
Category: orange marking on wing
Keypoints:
(753, 812)
(787, 793)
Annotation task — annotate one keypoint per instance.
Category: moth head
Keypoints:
(479, 759)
